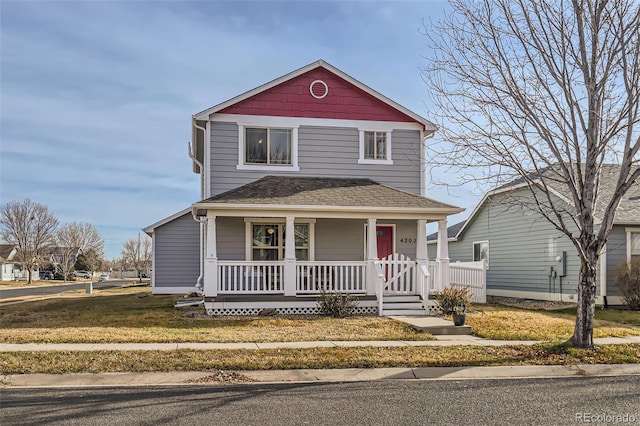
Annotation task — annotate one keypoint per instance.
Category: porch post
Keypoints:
(211, 259)
(290, 257)
(421, 241)
(372, 256)
(443, 255)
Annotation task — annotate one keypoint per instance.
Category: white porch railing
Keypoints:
(341, 277)
(238, 277)
(471, 275)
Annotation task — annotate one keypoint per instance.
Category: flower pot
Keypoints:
(459, 319)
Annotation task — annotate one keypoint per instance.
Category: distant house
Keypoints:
(7, 265)
(57, 255)
(527, 257)
(311, 181)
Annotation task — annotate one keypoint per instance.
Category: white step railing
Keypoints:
(340, 277)
(238, 277)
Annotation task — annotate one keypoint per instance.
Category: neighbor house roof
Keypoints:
(205, 114)
(6, 251)
(319, 191)
(628, 211)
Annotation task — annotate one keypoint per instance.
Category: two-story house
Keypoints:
(311, 181)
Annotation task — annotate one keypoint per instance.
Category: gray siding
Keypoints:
(519, 249)
(616, 254)
(230, 238)
(322, 151)
(177, 253)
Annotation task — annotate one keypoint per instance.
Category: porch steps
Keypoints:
(402, 305)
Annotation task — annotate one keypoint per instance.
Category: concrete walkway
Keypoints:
(464, 340)
(290, 376)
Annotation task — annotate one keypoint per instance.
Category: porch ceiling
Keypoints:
(328, 197)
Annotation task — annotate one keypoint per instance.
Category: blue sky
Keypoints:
(96, 97)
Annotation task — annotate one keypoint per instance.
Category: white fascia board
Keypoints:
(149, 229)
(346, 212)
(450, 240)
(205, 114)
(276, 121)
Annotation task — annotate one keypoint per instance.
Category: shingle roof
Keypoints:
(5, 250)
(316, 191)
(629, 208)
(451, 231)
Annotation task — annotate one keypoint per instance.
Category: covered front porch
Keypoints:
(261, 255)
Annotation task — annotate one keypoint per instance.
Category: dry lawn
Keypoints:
(132, 315)
(508, 323)
(362, 357)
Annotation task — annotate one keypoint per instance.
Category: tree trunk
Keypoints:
(29, 275)
(585, 312)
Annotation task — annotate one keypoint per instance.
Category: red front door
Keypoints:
(385, 241)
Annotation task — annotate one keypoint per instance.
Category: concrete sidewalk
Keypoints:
(315, 376)
(462, 340)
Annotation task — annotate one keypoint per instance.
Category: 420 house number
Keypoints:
(407, 240)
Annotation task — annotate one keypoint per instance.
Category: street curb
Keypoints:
(318, 376)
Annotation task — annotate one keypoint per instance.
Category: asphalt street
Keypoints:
(551, 401)
(55, 289)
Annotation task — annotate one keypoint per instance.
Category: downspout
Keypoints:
(202, 221)
(423, 162)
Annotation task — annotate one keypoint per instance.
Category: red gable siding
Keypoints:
(293, 99)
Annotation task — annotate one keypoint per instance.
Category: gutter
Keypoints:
(202, 221)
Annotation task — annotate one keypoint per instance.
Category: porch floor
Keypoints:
(273, 298)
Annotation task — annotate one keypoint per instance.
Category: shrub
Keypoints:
(453, 300)
(627, 279)
(336, 305)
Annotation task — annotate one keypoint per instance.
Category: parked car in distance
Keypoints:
(103, 277)
(82, 274)
(143, 275)
(46, 275)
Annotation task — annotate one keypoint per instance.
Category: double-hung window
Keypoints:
(268, 241)
(375, 147)
(481, 251)
(633, 244)
(268, 146)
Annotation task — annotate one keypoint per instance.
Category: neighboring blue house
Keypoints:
(527, 257)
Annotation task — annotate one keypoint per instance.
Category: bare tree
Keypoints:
(31, 228)
(63, 258)
(84, 236)
(545, 92)
(137, 253)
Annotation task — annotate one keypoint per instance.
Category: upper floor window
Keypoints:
(375, 147)
(267, 146)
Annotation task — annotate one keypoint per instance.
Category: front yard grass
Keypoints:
(276, 359)
(508, 323)
(131, 315)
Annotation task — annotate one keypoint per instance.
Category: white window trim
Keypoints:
(250, 221)
(473, 247)
(630, 231)
(265, 167)
(366, 234)
(361, 159)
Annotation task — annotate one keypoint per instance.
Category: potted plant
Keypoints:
(454, 301)
(459, 315)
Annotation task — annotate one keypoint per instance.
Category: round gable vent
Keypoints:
(318, 89)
